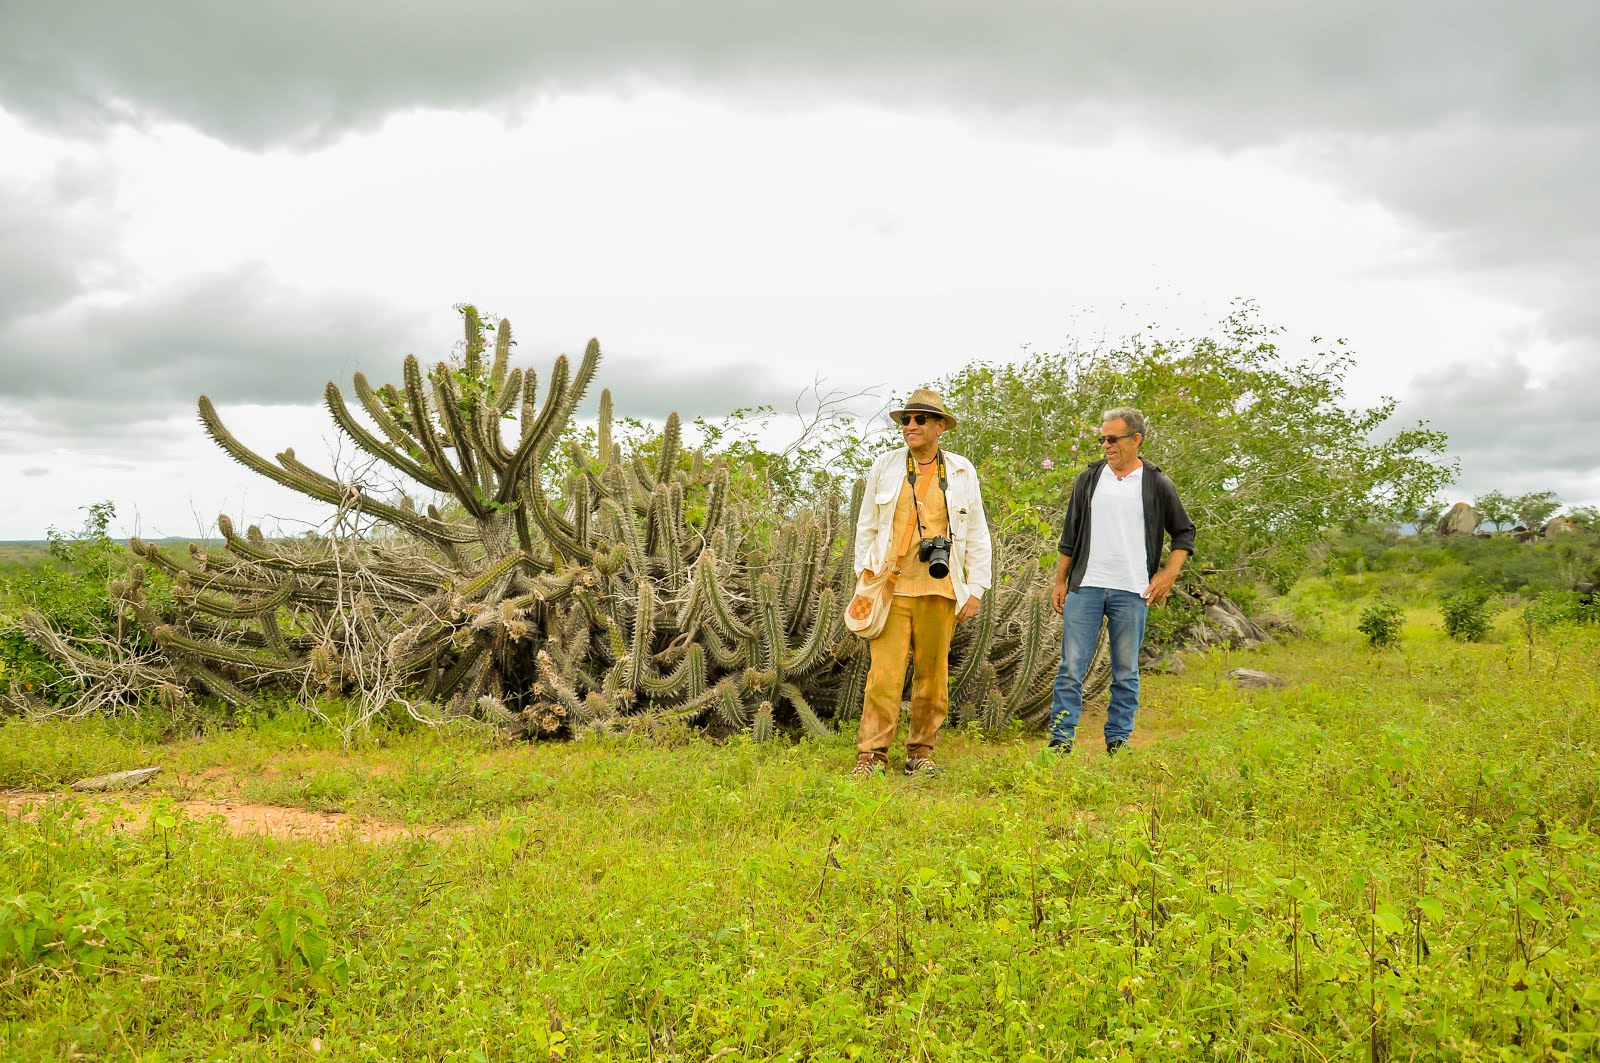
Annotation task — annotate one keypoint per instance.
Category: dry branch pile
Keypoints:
(552, 590)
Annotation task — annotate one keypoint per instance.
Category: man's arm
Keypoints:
(867, 520)
(1058, 596)
(1161, 583)
(979, 553)
(1181, 529)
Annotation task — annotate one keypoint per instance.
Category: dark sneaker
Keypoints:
(923, 766)
(1059, 746)
(867, 768)
(1114, 747)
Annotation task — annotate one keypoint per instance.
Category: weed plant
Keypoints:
(1467, 614)
(1392, 857)
(1381, 622)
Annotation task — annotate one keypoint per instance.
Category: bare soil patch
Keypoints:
(238, 817)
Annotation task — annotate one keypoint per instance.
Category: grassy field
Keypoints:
(1394, 856)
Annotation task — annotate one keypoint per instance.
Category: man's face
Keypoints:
(1116, 442)
(918, 434)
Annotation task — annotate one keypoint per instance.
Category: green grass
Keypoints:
(1397, 850)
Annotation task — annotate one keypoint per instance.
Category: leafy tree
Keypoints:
(1496, 508)
(1424, 518)
(1585, 517)
(1536, 507)
(1265, 451)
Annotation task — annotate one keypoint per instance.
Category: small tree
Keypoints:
(1585, 517)
(1265, 450)
(1496, 508)
(1536, 507)
(1381, 622)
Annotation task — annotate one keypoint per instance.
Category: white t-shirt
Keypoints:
(1116, 534)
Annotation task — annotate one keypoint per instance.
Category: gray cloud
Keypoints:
(56, 236)
(1479, 122)
(652, 388)
(304, 70)
(1515, 434)
(36, 470)
(239, 336)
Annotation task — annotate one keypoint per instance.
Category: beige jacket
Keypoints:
(970, 574)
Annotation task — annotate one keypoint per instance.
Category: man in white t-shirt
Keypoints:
(1121, 510)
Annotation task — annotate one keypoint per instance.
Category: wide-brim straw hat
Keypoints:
(924, 401)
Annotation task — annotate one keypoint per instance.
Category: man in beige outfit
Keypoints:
(943, 573)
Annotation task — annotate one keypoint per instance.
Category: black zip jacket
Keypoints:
(1163, 515)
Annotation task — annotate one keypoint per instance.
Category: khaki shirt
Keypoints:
(915, 580)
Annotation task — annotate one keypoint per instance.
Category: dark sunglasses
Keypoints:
(1114, 439)
(920, 418)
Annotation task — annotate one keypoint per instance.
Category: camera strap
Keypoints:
(918, 494)
(944, 489)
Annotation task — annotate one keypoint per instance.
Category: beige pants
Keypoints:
(922, 627)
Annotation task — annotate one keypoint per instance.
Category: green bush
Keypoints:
(1381, 622)
(1559, 607)
(1467, 614)
(71, 592)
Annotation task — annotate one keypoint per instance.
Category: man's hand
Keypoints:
(1058, 597)
(969, 610)
(1160, 586)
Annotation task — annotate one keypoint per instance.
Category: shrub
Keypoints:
(1466, 615)
(1381, 622)
(1558, 607)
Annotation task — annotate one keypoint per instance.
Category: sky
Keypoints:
(762, 202)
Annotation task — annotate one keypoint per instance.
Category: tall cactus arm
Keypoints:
(1033, 651)
(816, 649)
(769, 624)
(173, 641)
(502, 356)
(244, 609)
(435, 531)
(730, 706)
(685, 682)
(810, 723)
(417, 402)
(977, 651)
(559, 687)
(370, 443)
(722, 614)
(215, 684)
(603, 428)
(728, 657)
(472, 340)
(535, 429)
(463, 439)
(508, 392)
(465, 668)
(490, 442)
(383, 416)
(644, 624)
(671, 445)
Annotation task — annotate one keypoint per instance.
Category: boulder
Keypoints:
(1249, 677)
(117, 780)
(1558, 526)
(1231, 626)
(1460, 519)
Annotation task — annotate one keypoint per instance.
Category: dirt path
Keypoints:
(238, 817)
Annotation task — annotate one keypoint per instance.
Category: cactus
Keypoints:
(556, 590)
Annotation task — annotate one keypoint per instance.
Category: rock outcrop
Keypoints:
(1460, 519)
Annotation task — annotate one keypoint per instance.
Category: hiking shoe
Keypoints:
(867, 769)
(1059, 746)
(923, 766)
(1114, 747)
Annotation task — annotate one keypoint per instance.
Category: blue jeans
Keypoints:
(1125, 613)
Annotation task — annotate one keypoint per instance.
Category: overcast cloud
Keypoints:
(249, 200)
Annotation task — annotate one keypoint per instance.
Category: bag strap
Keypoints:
(905, 536)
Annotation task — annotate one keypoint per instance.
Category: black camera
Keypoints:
(936, 552)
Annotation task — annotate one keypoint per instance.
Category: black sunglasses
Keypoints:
(1114, 439)
(920, 418)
